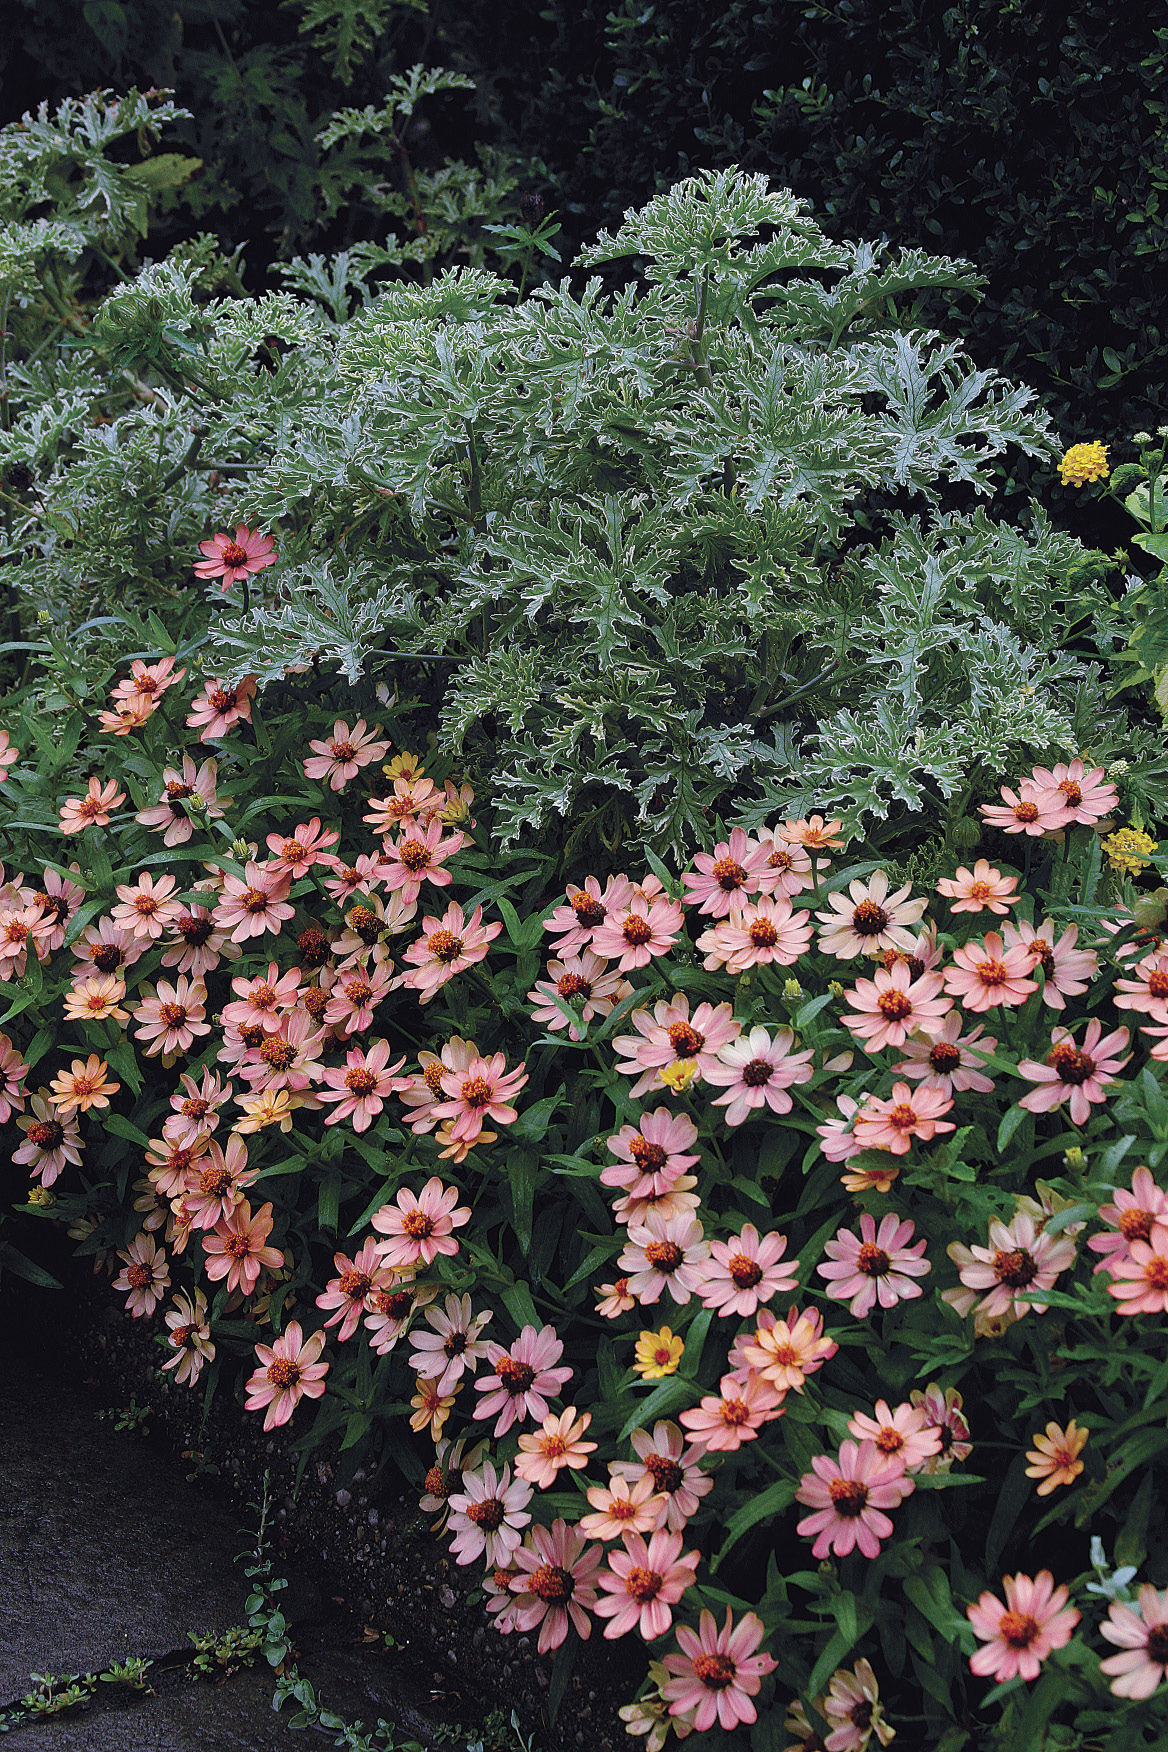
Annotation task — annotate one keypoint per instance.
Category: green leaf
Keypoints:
(761, 1507)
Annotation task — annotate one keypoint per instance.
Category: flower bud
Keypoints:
(240, 849)
(965, 832)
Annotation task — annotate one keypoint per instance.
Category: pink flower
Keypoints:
(8, 754)
(868, 919)
(144, 1274)
(786, 1351)
(893, 1124)
(1020, 1261)
(586, 909)
(1084, 795)
(1073, 1074)
(849, 1495)
(289, 1371)
(1027, 810)
(555, 1584)
(984, 974)
(297, 853)
(672, 1465)
(653, 1159)
(643, 1582)
(483, 1091)
(944, 1059)
(92, 810)
(170, 817)
(233, 559)
(340, 757)
(361, 1086)
(944, 1414)
(669, 1036)
(422, 1093)
(353, 997)
(746, 1271)
(195, 946)
(788, 867)
(649, 924)
(768, 933)
(215, 1183)
(362, 876)
(1142, 1637)
(1018, 1636)
(219, 708)
(108, 947)
(620, 1507)
(189, 1336)
(722, 1421)
(237, 1248)
(448, 946)
(351, 1293)
(892, 1005)
(417, 856)
(1131, 1216)
(1066, 971)
(421, 1227)
(721, 878)
(263, 999)
(453, 1346)
(13, 1071)
(521, 1378)
(487, 1516)
(555, 1445)
(576, 980)
(169, 1018)
(145, 907)
(981, 889)
(878, 1265)
(1147, 989)
(253, 904)
(905, 1434)
(717, 1672)
(664, 1253)
(756, 1071)
(1140, 1281)
(50, 1142)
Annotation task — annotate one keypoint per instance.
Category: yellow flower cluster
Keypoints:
(1129, 849)
(1083, 463)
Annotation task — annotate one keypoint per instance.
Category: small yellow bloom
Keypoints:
(792, 991)
(1083, 463)
(403, 766)
(41, 1195)
(431, 1408)
(1129, 849)
(679, 1075)
(1056, 1456)
(273, 1107)
(658, 1354)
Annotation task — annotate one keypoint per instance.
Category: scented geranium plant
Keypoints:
(769, 1259)
(704, 528)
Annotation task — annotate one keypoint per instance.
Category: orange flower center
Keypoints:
(215, 1182)
(514, 1377)
(903, 1116)
(445, 946)
(944, 1057)
(194, 1107)
(588, 910)
(224, 699)
(1158, 983)
(980, 890)
(139, 1275)
(358, 991)
(173, 1015)
(848, 1496)
(1072, 1065)
(354, 1283)
(734, 1413)
(365, 922)
(145, 905)
(194, 931)
(489, 1514)
(1017, 1629)
(417, 1225)
(650, 1158)
(685, 1041)
(744, 1272)
(46, 1134)
(642, 1585)
(869, 919)
(890, 1440)
(872, 1261)
(432, 1076)
(762, 934)
(728, 874)
(342, 750)
(553, 1447)
(435, 1482)
(283, 1372)
(180, 1335)
(277, 1054)
(239, 1246)
(394, 1304)
(413, 854)
(895, 1004)
(1026, 812)
(636, 930)
(234, 555)
(664, 1256)
(1015, 1267)
(716, 1672)
(551, 1583)
(476, 1092)
(1072, 791)
(666, 1474)
(992, 973)
(781, 859)
(1156, 1272)
(253, 900)
(91, 807)
(573, 985)
(1133, 1225)
(360, 1081)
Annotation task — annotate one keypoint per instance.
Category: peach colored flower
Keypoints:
(1084, 794)
(620, 1507)
(767, 932)
(1055, 1456)
(669, 1036)
(905, 1434)
(483, 1091)
(361, 1086)
(893, 1124)
(788, 867)
(1076, 1075)
(219, 708)
(982, 889)
(555, 1582)
(944, 1414)
(92, 810)
(1147, 989)
(339, 758)
(254, 903)
(673, 1466)
(1019, 1635)
(574, 980)
(289, 1370)
(815, 834)
(447, 947)
(868, 920)
(643, 1582)
(1027, 810)
(420, 1225)
(891, 1005)
(189, 1336)
(717, 1672)
(1140, 1281)
(722, 1421)
(653, 1158)
(746, 1271)
(144, 1274)
(664, 1253)
(1131, 1217)
(784, 1351)
(487, 1516)
(237, 1248)
(84, 1086)
(8, 754)
(452, 1346)
(1066, 971)
(169, 1018)
(1142, 1637)
(648, 925)
(984, 974)
(417, 856)
(90, 1000)
(586, 909)
(146, 908)
(555, 1445)
(725, 876)
(172, 816)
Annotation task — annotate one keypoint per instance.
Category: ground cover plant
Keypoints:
(709, 542)
(707, 1221)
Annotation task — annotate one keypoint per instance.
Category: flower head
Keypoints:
(556, 1583)
(1019, 1635)
(849, 1494)
(289, 1370)
(979, 890)
(876, 1266)
(522, 1378)
(1129, 849)
(1141, 1635)
(717, 1672)
(643, 1582)
(1083, 463)
(1055, 1456)
(657, 1354)
(420, 1225)
(234, 557)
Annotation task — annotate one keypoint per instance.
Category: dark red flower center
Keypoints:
(685, 1041)
(872, 1261)
(728, 874)
(1015, 1267)
(869, 919)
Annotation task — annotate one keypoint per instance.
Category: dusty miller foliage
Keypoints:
(671, 539)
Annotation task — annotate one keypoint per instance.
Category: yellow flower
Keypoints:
(1126, 849)
(273, 1107)
(41, 1195)
(1083, 463)
(431, 1408)
(658, 1354)
(1056, 1456)
(403, 766)
(679, 1075)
